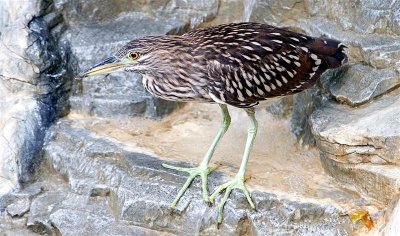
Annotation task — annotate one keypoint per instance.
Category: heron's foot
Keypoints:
(202, 171)
(236, 183)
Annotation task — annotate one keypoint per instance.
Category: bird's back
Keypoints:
(250, 62)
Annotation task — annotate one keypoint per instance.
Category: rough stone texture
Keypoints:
(128, 176)
(392, 218)
(372, 16)
(347, 22)
(33, 88)
(359, 84)
(360, 145)
(94, 35)
(19, 208)
(99, 187)
(42, 50)
(11, 143)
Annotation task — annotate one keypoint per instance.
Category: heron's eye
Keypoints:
(133, 56)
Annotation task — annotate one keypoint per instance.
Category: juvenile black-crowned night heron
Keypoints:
(234, 64)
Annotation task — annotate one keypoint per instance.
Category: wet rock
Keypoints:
(19, 207)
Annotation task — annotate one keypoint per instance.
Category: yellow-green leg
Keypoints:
(238, 181)
(203, 169)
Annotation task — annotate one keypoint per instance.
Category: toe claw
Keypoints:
(212, 200)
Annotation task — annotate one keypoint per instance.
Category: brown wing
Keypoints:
(249, 62)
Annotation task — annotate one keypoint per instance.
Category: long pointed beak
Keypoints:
(110, 64)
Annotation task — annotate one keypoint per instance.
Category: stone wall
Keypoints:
(351, 116)
(35, 82)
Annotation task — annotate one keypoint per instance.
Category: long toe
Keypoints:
(201, 171)
(236, 183)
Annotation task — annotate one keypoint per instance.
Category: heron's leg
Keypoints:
(238, 181)
(203, 169)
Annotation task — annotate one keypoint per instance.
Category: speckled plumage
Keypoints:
(238, 64)
(235, 64)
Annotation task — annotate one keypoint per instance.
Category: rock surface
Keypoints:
(359, 84)
(19, 208)
(130, 176)
(30, 97)
(360, 145)
(92, 182)
(357, 145)
(392, 215)
(101, 33)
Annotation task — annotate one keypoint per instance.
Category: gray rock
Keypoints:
(17, 141)
(30, 96)
(79, 221)
(19, 207)
(141, 192)
(347, 22)
(359, 84)
(41, 209)
(363, 17)
(392, 218)
(131, 230)
(75, 214)
(112, 190)
(282, 108)
(89, 13)
(346, 134)
(122, 94)
(304, 104)
(13, 226)
(100, 190)
(29, 191)
(15, 79)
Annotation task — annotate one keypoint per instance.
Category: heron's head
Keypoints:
(142, 55)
